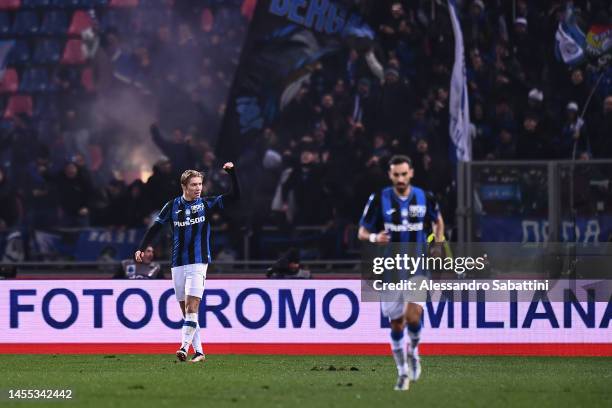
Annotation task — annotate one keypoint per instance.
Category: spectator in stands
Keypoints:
(572, 139)
(505, 148)
(309, 188)
(136, 207)
(526, 51)
(429, 169)
(476, 27)
(9, 205)
(478, 75)
(178, 151)
(438, 140)
(364, 107)
(162, 184)
(40, 196)
(601, 131)
(533, 143)
(75, 193)
(288, 267)
(331, 114)
(395, 102)
(20, 140)
(147, 269)
(114, 210)
(483, 141)
(576, 89)
(390, 29)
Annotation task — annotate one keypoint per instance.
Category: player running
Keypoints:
(400, 214)
(189, 217)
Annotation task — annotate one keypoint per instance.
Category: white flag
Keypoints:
(458, 105)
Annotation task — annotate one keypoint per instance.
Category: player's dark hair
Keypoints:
(399, 159)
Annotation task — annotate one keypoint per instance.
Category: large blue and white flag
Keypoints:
(459, 124)
(570, 41)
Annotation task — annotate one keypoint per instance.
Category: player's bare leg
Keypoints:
(398, 348)
(413, 315)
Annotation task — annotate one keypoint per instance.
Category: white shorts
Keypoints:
(189, 280)
(394, 308)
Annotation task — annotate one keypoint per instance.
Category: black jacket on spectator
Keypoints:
(601, 136)
(74, 193)
(307, 183)
(8, 202)
(180, 154)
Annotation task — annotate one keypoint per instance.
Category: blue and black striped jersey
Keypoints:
(190, 223)
(405, 219)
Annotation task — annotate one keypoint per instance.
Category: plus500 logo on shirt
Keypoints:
(190, 221)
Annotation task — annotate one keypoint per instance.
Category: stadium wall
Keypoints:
(281, 317)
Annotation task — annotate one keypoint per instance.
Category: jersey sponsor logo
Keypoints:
(190, 221)
(417, 210)
(197, 207)
(405, 227)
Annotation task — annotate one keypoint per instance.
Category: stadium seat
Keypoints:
(81, 21)
(35, 80)
(5, 24)
(41, 82)
(9, 83)
(45, 107)
(47, 51)
(87, 80)
(28, 4)
(36, 4)
(18, 104)
(73, 53)
(10, 4)
(26, 80)
(207, 20)
(63, 4)
(123, 3)
(151, 3)
(26, 23)
(19, 54)
(114, 19)
(54, 23)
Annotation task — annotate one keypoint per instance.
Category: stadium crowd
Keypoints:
(317, 164)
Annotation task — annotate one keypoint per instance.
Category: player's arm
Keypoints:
(370, 223)
(152, 232)
(233, 195)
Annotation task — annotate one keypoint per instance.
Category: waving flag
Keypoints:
(570, 40)
(286, 40)
(459, 127)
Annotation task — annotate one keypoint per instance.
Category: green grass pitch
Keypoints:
(308, 381)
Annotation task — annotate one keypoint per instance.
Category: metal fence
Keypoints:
(534, 201)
